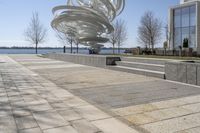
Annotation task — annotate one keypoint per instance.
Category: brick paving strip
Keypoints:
(30, 103)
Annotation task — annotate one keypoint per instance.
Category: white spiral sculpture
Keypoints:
(87, 21)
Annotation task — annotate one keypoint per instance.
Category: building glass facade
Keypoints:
(184, 26)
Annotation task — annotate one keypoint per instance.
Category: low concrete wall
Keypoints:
(90, 60)
(184, 72)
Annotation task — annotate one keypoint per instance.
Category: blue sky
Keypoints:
(15, 16)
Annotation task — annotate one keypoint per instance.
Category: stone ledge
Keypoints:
(90, 60)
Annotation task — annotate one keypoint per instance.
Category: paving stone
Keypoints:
(116, 126)
(29, 92)
(3, 99)
(190, 99)
(61, 93)
(32, 130)
(91, 113)
(74, 101)
(192, 130)
(194, 108)
(59, 105)
(53, 100)
(7, 125)
(25, 122)
(174, 125)
(84, 126)
(134, 109)
(3, 94)
(69, 114)
(168, 113)
(40, 107)
(140, 119)
(169, 103)
(19, 112)
(15, 98)
(46, 95)
(13, 93)
(49, 120)
(34, 100)
(66, 129)
(5, 110)
(19, 104)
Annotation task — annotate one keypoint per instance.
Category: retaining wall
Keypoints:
(90, 60)
(183, 72)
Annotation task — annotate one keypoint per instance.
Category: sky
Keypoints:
(15, 16)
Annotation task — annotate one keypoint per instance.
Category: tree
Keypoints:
(77, 45)
(119, 35)
(150, 30)
(113, 37)
(121, 32)
(65, 40)
(35, 33)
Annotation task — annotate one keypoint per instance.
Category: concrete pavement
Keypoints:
(32, 104)
(42, 95)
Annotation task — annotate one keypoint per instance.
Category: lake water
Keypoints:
(45, 51)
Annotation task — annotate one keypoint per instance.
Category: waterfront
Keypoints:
(50, 50)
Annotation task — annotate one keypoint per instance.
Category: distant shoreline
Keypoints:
(34, 48)
(44, 50)
(50, 48)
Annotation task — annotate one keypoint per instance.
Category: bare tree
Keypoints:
(150, 30)
(77, 43)
(121, 30)
(113, 37)
(35, 33)
(65, 40)
(119, 36)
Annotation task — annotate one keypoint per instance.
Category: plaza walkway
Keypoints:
(39, 95)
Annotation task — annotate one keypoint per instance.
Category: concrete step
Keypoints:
(145, 72)
(148, 66)
(145, 60)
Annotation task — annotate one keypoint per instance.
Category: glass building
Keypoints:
(183, 24)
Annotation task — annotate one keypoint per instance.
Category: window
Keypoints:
(185, 26)
(185, 33)
(177, 38)
(192, 15)
(185, 21)
(192, 37)
(177, 18)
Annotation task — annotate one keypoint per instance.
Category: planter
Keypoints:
(186, 72)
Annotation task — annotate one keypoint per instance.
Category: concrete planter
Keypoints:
(185, 72)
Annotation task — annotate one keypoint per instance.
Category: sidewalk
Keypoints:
(42, 95)
(32, 104)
